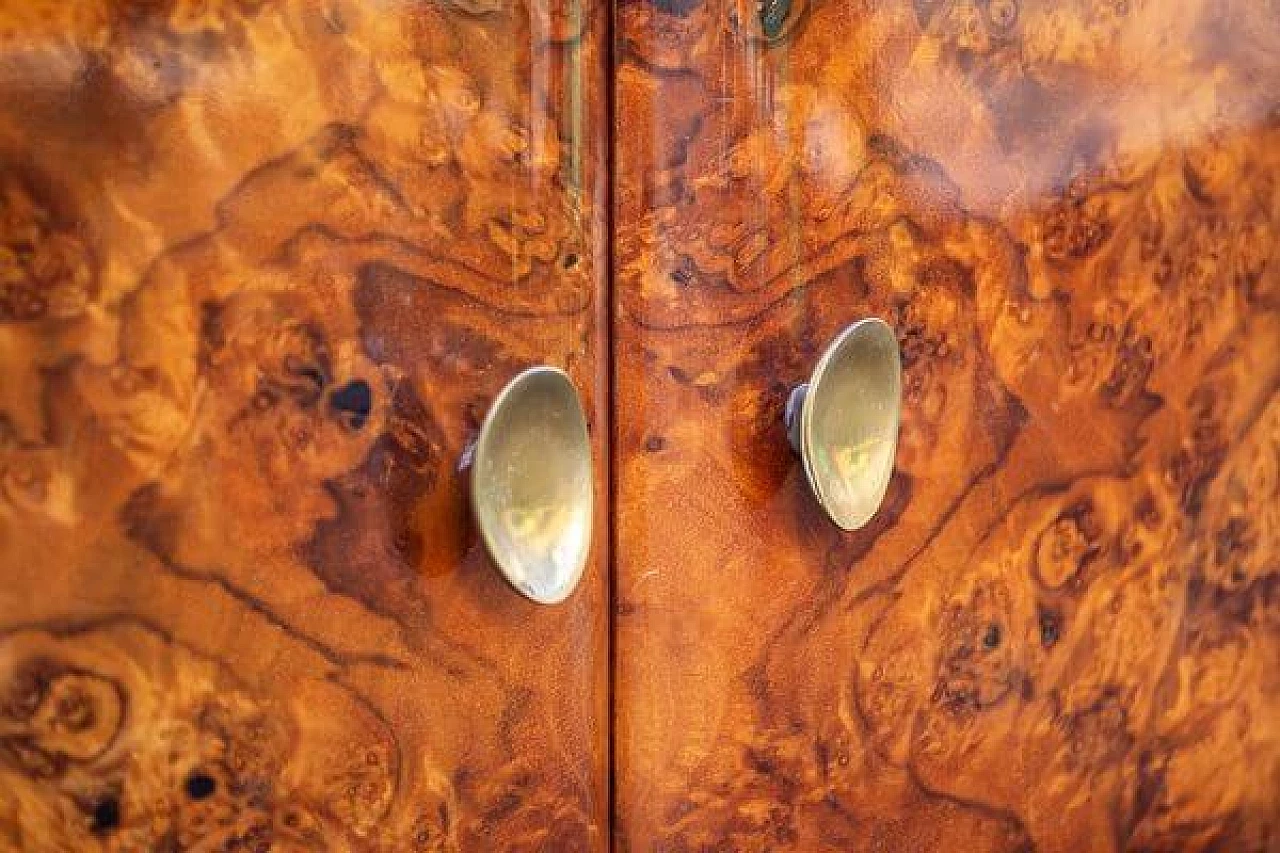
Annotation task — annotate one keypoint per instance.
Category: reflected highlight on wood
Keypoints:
(1062, 630)
(262, 267)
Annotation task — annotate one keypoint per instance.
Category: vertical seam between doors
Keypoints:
(611, 419)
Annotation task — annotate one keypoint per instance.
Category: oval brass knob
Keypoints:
(844, 421)
(532, 489)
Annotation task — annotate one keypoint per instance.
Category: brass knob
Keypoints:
(843, 422)
(532, 488)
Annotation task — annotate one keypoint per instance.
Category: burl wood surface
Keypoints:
(1062, 630)
(262, 267)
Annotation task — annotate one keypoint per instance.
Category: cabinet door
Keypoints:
(1060, 630)
(263, 265)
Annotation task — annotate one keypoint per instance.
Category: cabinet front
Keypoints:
(267, 269)
(1060, 629)
(263, 268)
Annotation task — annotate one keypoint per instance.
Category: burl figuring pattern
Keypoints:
(1062, 630)
(262, 267)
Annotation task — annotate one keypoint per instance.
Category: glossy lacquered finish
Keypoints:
(264, 267)
(1060, 630)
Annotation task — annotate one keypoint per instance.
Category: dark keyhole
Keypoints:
(773, 14)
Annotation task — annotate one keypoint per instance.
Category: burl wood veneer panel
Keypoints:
(262, 266)
(1062, 631)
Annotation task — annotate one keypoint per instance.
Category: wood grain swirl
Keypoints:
(262, 266)
(1062, 631)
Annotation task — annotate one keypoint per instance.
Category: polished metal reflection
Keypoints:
(844, 421)
(532, 484)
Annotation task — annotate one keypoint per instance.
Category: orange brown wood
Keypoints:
(1062, 630)
(262, 266)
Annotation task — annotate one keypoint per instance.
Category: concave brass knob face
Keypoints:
(532, 485)
(844, 422)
